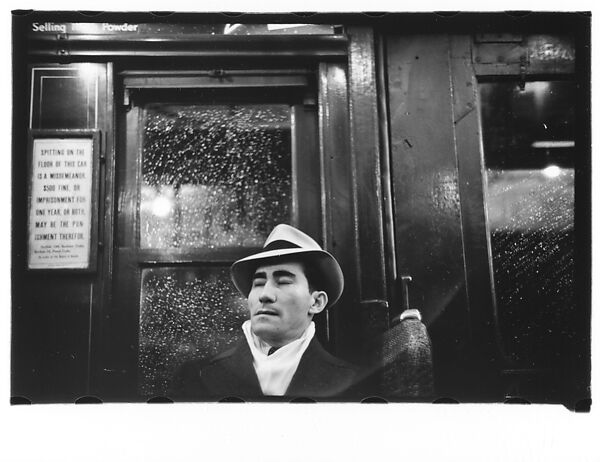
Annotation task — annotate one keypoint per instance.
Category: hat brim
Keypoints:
(328, 269)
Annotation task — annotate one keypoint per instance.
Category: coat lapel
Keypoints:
(233, 374)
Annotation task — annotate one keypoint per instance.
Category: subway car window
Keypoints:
(214, 176)
(185, 313)
(530, 152)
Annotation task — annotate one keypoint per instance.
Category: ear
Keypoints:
(319, 302)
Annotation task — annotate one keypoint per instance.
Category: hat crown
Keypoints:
(283, 234)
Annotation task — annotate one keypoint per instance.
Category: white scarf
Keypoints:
(275, 371)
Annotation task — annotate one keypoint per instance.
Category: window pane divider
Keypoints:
(200, 256)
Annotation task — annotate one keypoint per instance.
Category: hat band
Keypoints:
(280, 244)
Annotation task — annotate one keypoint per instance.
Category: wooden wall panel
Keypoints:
(51, 339)
(338, 205)
(426, 199)
(52, 312)
(364, 138)
(428, 223)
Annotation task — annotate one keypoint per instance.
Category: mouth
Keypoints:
(266, 312)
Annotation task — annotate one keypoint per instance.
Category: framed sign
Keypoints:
(63, 189)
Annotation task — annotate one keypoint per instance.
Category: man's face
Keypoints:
(281, 304)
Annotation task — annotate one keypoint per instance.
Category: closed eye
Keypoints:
(259, 279)
(284, 277)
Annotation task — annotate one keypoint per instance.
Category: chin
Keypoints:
(262, 328)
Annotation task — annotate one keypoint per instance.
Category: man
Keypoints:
(286, 284)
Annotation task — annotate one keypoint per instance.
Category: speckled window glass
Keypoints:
(214, 175)
(529, 147)
(185, 313)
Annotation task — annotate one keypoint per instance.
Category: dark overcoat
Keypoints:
(231, 374)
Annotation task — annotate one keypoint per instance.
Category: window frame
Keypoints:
(120, 362)
(481, 290)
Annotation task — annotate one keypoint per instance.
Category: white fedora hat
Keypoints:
(286, 241)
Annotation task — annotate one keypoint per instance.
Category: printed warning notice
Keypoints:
(60, 203)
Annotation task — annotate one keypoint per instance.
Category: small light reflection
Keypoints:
(553, 144)
(285, 26)
(229, 28)
(539, 90)
(88, 71)
(162, 206)
(552, 171)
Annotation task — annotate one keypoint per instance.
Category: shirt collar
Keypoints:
(264, 347)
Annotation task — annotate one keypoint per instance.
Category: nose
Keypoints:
(267, 294)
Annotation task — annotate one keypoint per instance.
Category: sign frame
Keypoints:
(67, 135)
